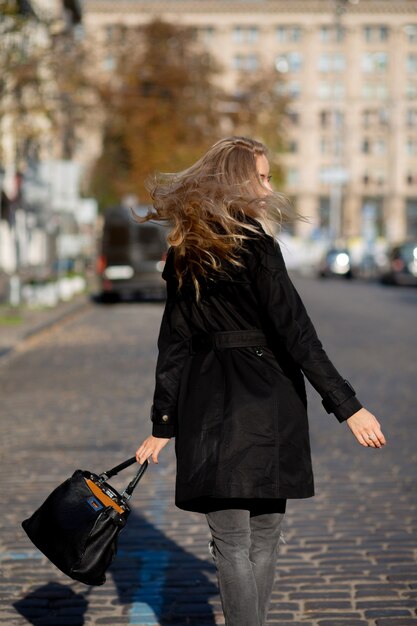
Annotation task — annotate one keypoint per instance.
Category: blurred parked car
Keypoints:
(401, 264)
(132, 257)
(336, 262)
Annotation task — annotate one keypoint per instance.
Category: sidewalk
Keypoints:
(16, 326)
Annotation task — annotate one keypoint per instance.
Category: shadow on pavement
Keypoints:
(51, 603)
(157, 580)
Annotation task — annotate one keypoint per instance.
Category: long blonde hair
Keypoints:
(206, 206)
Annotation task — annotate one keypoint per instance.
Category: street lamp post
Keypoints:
(338, 175)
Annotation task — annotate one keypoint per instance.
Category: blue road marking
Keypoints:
(148, 598)
(12, 555)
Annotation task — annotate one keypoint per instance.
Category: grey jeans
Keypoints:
(245, 547)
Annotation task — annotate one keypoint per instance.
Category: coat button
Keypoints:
(165, 418)
(259, 351)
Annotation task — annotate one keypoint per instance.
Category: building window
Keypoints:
(293, 176)
(245, 62)
(383, 117)
(338, 91)
(289, 62)
(411, 146)
(367, 118)
(375, 33)
(374, 91)
(252, 34)
(379, 146)
(288, 33)
(411, 63)
(330, 33)
(374, 117)
(295, 61)
(411, 32)
(411, 90)
(411, 118)
(291, 89)
(324, 90)
(325, 33)
(293, 117)
(252, 63)
(245, 34)
(378, 177)
(327, 90)
(237, 62)
(109, 63)
(292, 146)
(372, 206)
(366, 146)
(375, 62)
(411, 216)
(294, 89)
(109, 33)
(381, 91)
(331, 146)
(329, 117)
(325, 119)
(339, 62)
(325, 146)
(238, 36)
(331, 62)
(207, 33)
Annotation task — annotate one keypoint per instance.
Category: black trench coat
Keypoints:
(239, 414)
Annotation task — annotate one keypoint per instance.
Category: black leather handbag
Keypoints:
(78, 525)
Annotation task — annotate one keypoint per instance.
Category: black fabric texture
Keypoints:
(239, 415)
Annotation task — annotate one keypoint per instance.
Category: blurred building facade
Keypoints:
(350, 70)
(43, 219)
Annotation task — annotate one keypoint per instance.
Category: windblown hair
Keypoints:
(206, 206)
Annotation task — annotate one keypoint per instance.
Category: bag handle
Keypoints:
(127, 493)
(118, 468)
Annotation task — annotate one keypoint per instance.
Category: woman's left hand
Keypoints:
(151, 447)
(366, 429)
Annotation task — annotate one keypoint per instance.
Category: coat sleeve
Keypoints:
(173, 349)
(290, 321)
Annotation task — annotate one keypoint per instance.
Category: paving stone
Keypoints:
(397, 621)
(342, 622)
(372, 613)
(111, 620)
(312, 605)
(324, 614)
(387, 603)
(306, 595)
(80, 397)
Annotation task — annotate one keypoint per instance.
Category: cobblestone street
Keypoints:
(79, 396)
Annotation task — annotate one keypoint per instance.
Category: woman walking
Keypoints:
(235, 343)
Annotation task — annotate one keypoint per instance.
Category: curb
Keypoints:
(46, 325)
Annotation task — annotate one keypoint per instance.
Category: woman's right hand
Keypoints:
(366, 429)
(151, 447)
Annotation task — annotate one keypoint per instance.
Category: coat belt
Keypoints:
(204, 342)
